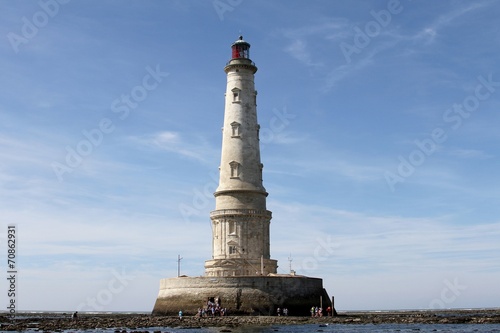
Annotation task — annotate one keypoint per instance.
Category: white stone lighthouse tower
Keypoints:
(241, 273)
(240, 221)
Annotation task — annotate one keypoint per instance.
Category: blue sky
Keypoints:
(379, 140)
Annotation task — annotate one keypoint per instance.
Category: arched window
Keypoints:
(236, 95)
(235, 129)
(235, 169)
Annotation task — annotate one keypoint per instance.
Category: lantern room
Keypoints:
(240, 49)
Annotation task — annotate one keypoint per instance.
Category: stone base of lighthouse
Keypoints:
(242, 295)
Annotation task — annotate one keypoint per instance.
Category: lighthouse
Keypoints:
(240, 221)
(241, 276)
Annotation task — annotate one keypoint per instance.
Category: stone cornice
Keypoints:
(240, 64)
(223, 192)
(240, 212)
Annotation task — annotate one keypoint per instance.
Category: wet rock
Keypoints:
(119, 323)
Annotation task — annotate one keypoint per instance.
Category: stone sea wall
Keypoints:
(241, 295)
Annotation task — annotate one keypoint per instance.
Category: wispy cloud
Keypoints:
(470, 153)
(318, 46)
(195, 147)
(331, 165)
(342, 71)
(298, 50)
(16, 151)
(388, 242)
(301, 38)
(331, 28)
(429, 32)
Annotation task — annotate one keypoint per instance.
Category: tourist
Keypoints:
(278, 312)
(74, 317)
(312, 311)
(180, 314)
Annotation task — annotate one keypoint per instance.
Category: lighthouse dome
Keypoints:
(240, 49)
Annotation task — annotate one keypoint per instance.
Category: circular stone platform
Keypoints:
(251, 295)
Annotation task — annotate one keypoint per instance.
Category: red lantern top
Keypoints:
(240, 49)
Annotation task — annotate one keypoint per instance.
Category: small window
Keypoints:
(255, 98)
(235, 169)
(232, 249)
(232, 229)
(236, 95)
(235, 129)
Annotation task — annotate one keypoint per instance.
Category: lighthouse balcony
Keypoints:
(240, 61)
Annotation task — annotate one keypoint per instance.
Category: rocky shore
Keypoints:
(127, 323)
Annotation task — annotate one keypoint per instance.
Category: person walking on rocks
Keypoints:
(74, 317)
(180, 314)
